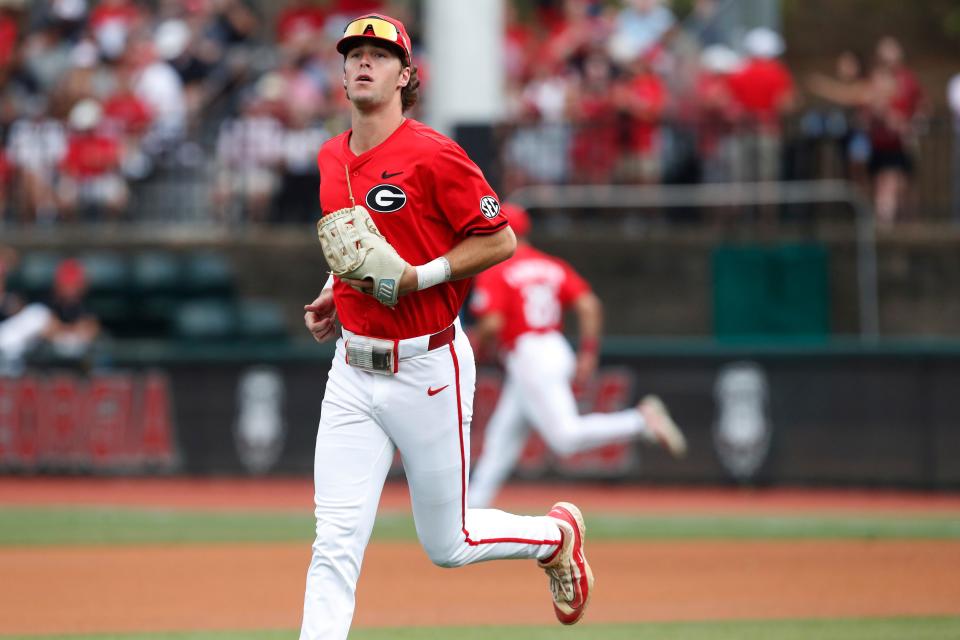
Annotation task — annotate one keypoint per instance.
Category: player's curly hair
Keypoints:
(410, 94)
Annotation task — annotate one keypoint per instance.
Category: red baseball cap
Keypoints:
(70, 275)
(377, 27)
(517, 217)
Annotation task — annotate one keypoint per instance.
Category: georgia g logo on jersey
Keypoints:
(489, 207)
(386, 198)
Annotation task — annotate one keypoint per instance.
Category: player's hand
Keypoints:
(586, 366)
(408, 282)
(320, 315)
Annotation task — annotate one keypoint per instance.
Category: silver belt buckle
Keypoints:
(371, 354)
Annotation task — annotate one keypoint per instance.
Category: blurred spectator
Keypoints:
(21, 327)
(520, 43)
(595, 148)
(36, 145)
(85, 77)
(895, 101)
(638, 28)
(129, 118)
(717, 113)
(63, 323)
(301, 178)
(120, 14)
(580, 28)
(10, 16)
(845, 122)
(233, 23)
(953, 100)
(704, 23)
(889, 99)
(642, 98)
(249, 152)
(114, 24)
(90, 178)
(159, 87)
(191, 43)
(763, 88)
(72, 329)
(45, 55)
(306, 84)
(68, 16)
(538, 152)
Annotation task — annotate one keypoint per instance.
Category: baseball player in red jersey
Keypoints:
(403, 375)
(521, 302)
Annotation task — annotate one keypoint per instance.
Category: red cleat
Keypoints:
(571, 580)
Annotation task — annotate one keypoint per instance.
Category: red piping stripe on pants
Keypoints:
(463, 474)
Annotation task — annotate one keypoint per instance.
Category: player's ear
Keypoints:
(404, 78)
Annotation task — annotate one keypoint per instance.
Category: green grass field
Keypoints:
(846, 629)
(53, 526)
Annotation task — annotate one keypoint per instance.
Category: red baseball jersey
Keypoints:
(531, 290)
(425, 196)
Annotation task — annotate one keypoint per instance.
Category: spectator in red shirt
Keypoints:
(642, 98)
(764, 90)
(596, 139)
(129, 118)
(9, 32)
(895, 102)
(520, 43)
(717, 111)
(90, 171)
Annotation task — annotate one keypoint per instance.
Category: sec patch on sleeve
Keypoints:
(489, 207)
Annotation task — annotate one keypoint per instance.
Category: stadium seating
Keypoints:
(159, 294)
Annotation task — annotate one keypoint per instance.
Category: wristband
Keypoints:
(432, 273)
(329, 283)
(589, 345)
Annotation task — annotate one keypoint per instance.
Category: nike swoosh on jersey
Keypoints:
(432, 392)
(387, 176)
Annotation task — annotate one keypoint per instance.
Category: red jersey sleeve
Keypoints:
(463, 194)
(573, 285)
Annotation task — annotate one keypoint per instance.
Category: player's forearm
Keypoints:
(589, 318)
(477, 253)
(470, 257)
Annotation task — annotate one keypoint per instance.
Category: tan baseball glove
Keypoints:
(354, 248)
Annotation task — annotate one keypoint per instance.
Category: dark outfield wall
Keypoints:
(839, 415)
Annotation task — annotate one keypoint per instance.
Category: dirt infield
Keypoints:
(198, 587)
(260, 586)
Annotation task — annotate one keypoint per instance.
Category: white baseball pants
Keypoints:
(536, 390)
(424, 410)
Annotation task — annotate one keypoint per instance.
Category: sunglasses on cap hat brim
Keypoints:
(373, 28)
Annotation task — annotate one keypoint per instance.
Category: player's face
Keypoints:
(373, 76)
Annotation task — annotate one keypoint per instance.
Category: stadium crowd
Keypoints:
(100, 97)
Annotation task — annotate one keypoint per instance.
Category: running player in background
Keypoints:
(403, 376)
(520, 303)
